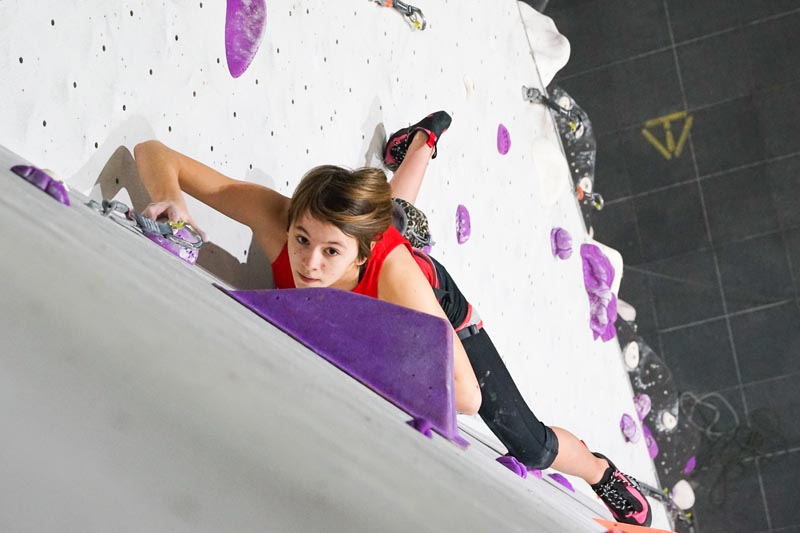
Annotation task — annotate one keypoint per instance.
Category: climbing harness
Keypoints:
(575, 119)
(120, 212)
(412, 14)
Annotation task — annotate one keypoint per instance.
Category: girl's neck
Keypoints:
(349, 280)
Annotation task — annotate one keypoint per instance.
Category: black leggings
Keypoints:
(502, 406)
(505, 411)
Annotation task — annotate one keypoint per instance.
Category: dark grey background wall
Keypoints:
(710, 236)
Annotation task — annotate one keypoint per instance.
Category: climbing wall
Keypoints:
(81, 79)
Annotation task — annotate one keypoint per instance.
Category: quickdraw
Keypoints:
(167, 230)
(575, 119)
(587, 197)
(412, 14)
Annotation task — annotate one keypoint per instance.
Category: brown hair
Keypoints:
(358, 202)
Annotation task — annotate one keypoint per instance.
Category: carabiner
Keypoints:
(575, 120)
(413, 14)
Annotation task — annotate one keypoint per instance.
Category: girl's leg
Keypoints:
(538, 446)
(505, 411)
(407, 179)
(508, 416)
(408, 152)
(574, 458)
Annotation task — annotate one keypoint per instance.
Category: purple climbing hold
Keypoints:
(184, 252)
(463, 224)
(652, 445)
(629, 429)
(427, 249)
(561, 243)
(535, 472)
(41, 180)
(643, 405)
(423, 425)
(598, 276)
(503, 139)
(514, 465)
(691, 464)
(558, 478)
(598, 273)
(244, 28)
(58, 190)
(344, 328)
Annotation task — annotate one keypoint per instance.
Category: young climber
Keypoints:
(336, 232)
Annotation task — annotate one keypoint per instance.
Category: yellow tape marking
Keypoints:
(672, 148)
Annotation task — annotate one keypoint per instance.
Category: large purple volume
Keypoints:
(403, 355)
(244, 28)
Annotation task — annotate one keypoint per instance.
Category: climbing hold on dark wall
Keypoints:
(652, 445)
(643, 405)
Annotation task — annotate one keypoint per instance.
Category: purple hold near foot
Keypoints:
(691, 464)
(535, 472)
(558, 478)
(503, 139)
(463, 224)
(423, 425)
(561, 243)
(514, 465)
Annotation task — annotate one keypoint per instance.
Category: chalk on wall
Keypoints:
(244, 28)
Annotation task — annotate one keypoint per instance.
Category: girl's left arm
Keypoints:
(401, 282)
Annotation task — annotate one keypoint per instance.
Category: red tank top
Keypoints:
(368, 284)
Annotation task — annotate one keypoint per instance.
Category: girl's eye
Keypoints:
(333, 251)
(301, 240)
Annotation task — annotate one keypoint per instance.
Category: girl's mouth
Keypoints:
(306, 279)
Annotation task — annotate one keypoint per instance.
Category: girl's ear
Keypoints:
(362, 261)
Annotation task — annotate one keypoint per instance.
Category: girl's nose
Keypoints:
(311, 260)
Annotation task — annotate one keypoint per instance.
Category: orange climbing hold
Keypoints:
(616, 527)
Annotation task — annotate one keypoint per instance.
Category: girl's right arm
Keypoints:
(165, 173)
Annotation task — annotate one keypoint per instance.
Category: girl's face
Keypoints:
(321, 255)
